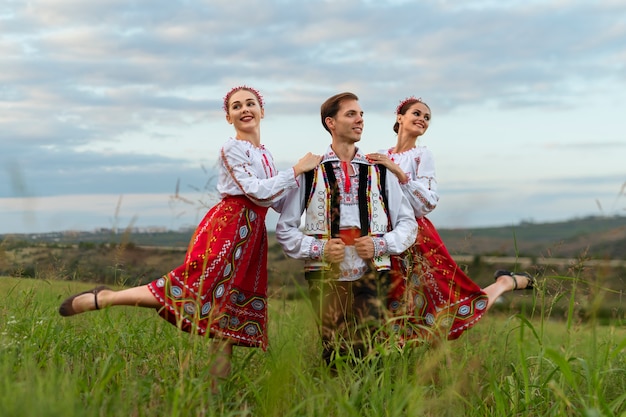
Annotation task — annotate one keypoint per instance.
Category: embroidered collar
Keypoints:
(359, 158)
(248, 143)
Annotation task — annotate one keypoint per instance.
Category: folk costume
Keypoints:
(221, 288)
(337, 203)
(429, 291)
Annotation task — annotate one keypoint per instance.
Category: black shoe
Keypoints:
(531, 279)
(66, 308)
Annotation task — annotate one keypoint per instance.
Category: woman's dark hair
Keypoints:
(404, 106)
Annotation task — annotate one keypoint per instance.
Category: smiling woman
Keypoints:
(430, 293)
(221, 288)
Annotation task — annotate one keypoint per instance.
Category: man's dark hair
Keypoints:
(331, 106)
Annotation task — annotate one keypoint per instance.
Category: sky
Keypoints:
(111, 111)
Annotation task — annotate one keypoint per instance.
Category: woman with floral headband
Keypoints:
(221, 288)
(430, 294)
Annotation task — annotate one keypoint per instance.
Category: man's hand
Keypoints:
(364, 246)
(334, 251)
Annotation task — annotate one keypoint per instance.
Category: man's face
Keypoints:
(347, 125)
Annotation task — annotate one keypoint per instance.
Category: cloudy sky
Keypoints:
(109, 110)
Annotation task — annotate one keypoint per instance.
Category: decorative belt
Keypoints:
(349, 235)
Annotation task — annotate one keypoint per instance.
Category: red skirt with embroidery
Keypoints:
(430, 295)
(221, 289)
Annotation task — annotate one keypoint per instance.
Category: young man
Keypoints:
(355, 217)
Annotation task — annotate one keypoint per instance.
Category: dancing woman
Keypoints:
(221, 288)
(430, 294)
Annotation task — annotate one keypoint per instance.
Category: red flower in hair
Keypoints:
(408, 100)
(233, 90)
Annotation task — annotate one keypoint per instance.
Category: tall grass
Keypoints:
(128, 362)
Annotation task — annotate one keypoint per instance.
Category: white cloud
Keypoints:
(510, 82)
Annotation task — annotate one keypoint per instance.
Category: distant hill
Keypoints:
(593, 237)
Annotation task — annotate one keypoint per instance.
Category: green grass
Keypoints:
(128, 362)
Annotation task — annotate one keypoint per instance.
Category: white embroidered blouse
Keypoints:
(250, 171)
(418, 165)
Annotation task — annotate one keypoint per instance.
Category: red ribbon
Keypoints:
(346, 183)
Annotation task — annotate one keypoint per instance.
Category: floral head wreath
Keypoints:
(411, 100)
(242, 87)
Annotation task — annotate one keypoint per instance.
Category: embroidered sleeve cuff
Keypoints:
(380, 246)
(316, 250)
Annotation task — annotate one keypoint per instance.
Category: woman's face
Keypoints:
(244, 111)
(416, 119)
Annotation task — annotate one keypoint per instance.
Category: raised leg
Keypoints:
(101, 297)
(505, 282)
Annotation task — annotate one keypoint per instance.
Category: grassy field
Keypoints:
(128, 362)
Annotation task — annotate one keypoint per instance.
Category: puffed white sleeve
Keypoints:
(421, 189)
(242, 171)
(404, 225)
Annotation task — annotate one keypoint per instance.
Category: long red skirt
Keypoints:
(430, 295)
(221, 289)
